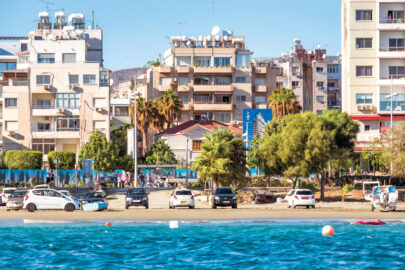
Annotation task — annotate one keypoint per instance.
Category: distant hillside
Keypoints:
(125, 74)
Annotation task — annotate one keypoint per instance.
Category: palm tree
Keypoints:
(283, 101)
(144, 116)
(169, 106)
(222, 159)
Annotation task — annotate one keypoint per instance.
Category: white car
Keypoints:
(300, 197)
(182, 198)
(5, 194)
(49, 199)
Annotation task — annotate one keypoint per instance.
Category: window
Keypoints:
(99, 125)
(43, 127)
(45, 146)
(67, 123)
(202, 81)
(319, 84)
(295, 83)
(11, 125)
(222, 61)
(319, 69)
(183, 80)
(364, 43)
(69, 58)
(239, 117)
(396, 44)
(68, 100)
(42, 104)
(320, 98)
(279, 85)
(260, 99)
(364, 15)
(165, 81)
(11, 102)
(184, 99)
(197, 145)
(104, 78)
(46, 58)
(396, 16)
(240, 98)
(222, 80)
(222, 99)
(73, 79)
(89, 79)
(295, 69)
(222, 117)
(22, 59)
(396, 72)
(364, 71)
(260, 81)
(121, 111)
(364, 98)
(7, 66)
(24, 47)
(331, 84)
(243, 60)
(319, 112)
(99, 103)
(201, 99)
(202, 61)
(240, 79)
(183, 61)
(366, 127)
(333, 68)
(43, 79)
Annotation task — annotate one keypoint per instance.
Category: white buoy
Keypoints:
(174, 224)
(328, 230)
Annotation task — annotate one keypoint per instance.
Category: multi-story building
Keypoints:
(373, 42)
(59, 93)
(214, 77)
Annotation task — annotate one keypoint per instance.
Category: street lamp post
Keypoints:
(391, 96)
(135, 150)
(186, 182)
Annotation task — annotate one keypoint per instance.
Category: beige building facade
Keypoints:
(59, 93)
(373, 65)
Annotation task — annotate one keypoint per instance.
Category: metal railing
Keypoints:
(43, 106)
(392, 49)
(56, 130)
(394, 77)
(393, 21)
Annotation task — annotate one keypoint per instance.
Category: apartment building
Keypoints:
(373, 42)
(59, 92)
(214, 77)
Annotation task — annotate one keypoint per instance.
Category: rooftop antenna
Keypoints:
(92, 19)
(46, 4)
(213, 13)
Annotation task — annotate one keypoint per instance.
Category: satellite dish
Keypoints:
(215, 30)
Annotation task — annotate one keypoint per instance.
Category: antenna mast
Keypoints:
(92, 19)
(213, 13)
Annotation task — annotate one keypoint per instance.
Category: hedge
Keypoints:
(23, 159)
(67, 160)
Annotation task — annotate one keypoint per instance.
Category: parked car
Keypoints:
(182, 198)
(49, 199)
(98, 196)
(42, 186)
(16, 200)
(224, 196)
(300, 197)
(137, 197)
(104, 180)
(5, 193)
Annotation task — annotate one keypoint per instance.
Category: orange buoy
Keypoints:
(107, 224)
(328, 230)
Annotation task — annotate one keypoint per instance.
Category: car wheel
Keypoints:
(394, 209)
(313, 206)
(31, 207)
(214, 206)
(147, 206)
(307, 206)
(69, 207)
(235, 206)
(191, 207)
(126, 206)
(372, 208)
(8, 209)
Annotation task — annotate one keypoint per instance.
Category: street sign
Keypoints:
(56, 161)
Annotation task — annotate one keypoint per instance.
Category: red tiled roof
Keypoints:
(211, 125)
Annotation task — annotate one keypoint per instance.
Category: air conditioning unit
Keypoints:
(360, 108)
(61, 110)
(11, 133)
(47, 87)
(235, 105)
(99, 109)
(72, 86)
(369, 107)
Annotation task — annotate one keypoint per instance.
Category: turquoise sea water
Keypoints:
(271, 244)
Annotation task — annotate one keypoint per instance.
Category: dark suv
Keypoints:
(136, 197)
(224, 196)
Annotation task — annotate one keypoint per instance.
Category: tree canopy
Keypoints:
(160, 154)
(283, 101)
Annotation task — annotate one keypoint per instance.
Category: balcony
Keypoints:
(186, 107)
(391, 52)
(398, 103)
(57, 134)
(213, 107)
(184, 69)
(216, 70)
(52, 110)
(396, 80)
(213, 88)
(261, 106)
(261, 70)
(165, 69)
(183, 88)
(164, 88)
(261, 88)
(368, 136)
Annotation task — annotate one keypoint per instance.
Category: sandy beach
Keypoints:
(159, 211)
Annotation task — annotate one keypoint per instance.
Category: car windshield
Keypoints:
(18, 194)
(183, 192)
(304, 192)
(136, 191)
(9, 191)
(223, 191)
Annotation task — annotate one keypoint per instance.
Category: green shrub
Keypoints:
(22, 159)
(196, 185)
(347, 188)
(308, 185)
(67, 160)
(81, 183)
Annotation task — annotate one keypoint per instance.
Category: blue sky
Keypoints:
(135, 31)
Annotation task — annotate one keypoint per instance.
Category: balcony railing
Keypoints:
(16, 83)
(392, 49)
(401, 20)
(394, 77)
(43, 106)
(56, 130)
